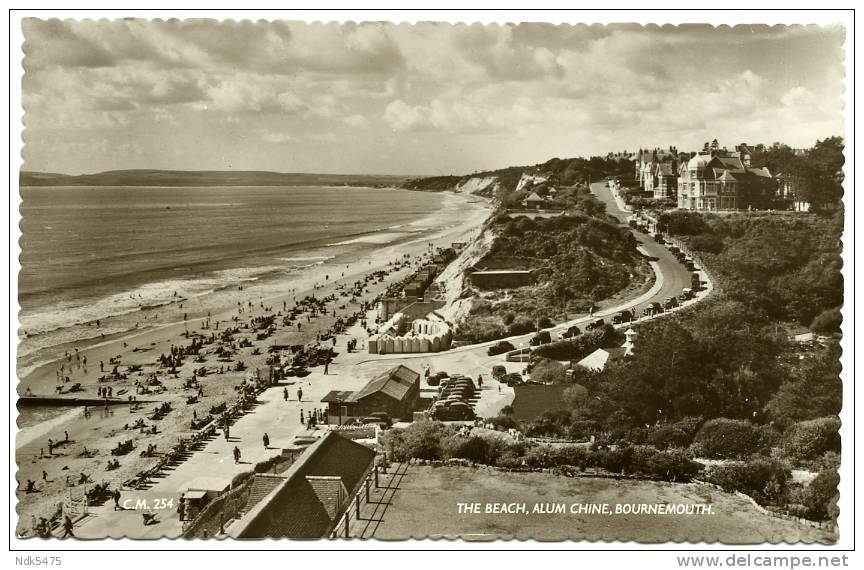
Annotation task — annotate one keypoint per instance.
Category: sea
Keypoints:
(124, 255)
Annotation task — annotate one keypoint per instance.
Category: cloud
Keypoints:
(403, 117)
(357, 121)
(278, 138)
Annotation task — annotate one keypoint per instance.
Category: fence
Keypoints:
(362, 494)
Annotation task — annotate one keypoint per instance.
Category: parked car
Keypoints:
(686, 294)
(512, 379)
(622, 317)
(598, 324)
(373, 420)
(542, 337)
(498, 371)
(571, 332)
(671, 303)
(674, 250)
(500, 348)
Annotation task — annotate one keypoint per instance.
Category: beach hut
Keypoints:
(435, 344)
(423, 343)
(373, 344)
(398, 345)
(389, 345)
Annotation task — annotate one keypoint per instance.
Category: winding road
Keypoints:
(671, 278)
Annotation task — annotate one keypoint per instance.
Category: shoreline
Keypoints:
(307, 267)
(104, 428)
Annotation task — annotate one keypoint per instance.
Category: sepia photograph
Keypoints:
(336, 280)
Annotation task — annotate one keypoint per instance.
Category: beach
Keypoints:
(348, 272)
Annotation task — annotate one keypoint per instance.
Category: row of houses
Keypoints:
(710, 180)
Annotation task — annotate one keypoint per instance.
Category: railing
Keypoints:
(212, 518)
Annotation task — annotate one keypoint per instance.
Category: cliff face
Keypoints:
(480, 185)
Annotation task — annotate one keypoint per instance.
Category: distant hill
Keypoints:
(206, 178)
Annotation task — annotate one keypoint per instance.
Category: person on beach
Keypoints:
(44, 475)
(299, 394)
(285, 394)
(266, 440)
(301, 417)
(50, 446)
(116, 497)
(66, 433)
(101, 366)
(67, 527)
(236, 455)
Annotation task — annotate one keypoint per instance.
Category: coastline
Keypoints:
(458, 217)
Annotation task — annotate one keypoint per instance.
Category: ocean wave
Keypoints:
(377, 238)
(142, 298)
(311, 258)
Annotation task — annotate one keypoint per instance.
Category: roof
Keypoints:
(396, 383)
(598, 359)
(294, 509)
(534, 198)
(725, 176)
(337, 396)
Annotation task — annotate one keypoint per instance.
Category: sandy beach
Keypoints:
(83, 443)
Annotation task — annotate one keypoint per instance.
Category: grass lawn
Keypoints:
(425, 505)
(532, 400)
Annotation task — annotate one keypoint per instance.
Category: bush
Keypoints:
(548, 371)
(726, 439)
(812, 438)
(707, 242)
(420, 440)
(827, 322)
(765, 480)
(820, 497)
(673, 466)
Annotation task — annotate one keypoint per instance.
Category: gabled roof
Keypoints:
(534, 198)
(598, 359)
(395, 383)
(294, 509)
(730, 162)
(726, 176)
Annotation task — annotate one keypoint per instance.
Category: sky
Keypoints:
(424, 99)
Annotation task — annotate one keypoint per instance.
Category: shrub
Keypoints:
(765, 480)
(812, 438)
(420, 440)
(548, 371)
(827, 322)
(820, 497)
(707, 242)
(673, 466)
(723, 438)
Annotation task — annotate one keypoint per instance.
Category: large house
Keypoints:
(648, 164)
(716, 179)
